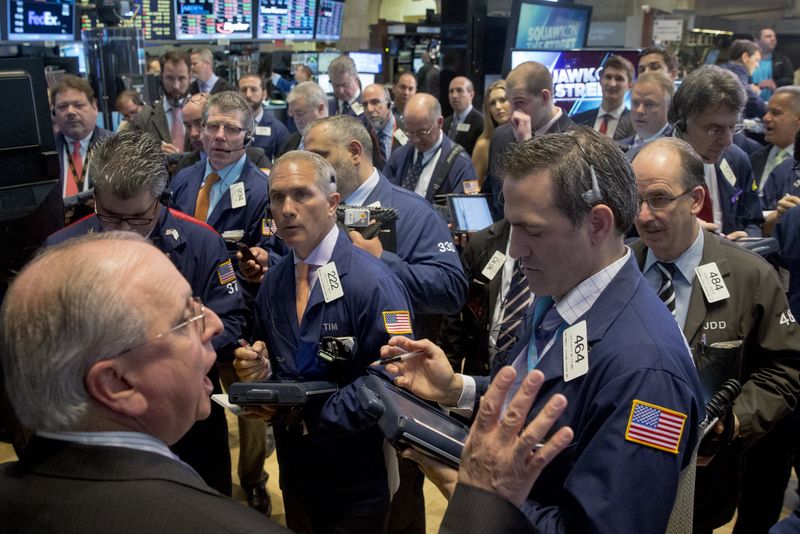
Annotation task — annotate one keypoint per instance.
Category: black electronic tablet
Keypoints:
(280, 393)
(406, 420)
(470, 213)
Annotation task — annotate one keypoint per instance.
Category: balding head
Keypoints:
(460, 94)
(423, 121)
(377, 105)
(193, 119)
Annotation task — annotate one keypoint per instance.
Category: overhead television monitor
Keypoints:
(330, 17)
(542, 25)
(325, 59)
(286, 19)
(309, 59)
(53, 20)
(324, 81)
(155, 18)
(74, 50)
(367, 62)
(576, 74)
(204, 20)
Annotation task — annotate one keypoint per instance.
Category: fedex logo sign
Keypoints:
(44, 19)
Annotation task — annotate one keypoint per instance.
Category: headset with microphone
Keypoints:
(595, 194)
(248, 140)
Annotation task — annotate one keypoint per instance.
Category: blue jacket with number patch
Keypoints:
(604, 481)
(198, 252)
(339, 463)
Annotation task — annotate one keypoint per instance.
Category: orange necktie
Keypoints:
(75, 168)
(604, 124)
(204, 197)
(301, 289)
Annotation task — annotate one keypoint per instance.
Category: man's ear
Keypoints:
(601, 223)
(107, 384)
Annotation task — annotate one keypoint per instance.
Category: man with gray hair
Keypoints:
(781, 124)
(109, 375)
(601, 337)
(307, 102)
(333, 470)
(430, 164)
(205, 81)
(738, 327)
(385, 124)
(346, 88)
(706, 111)
(226, 190)
(130, 194)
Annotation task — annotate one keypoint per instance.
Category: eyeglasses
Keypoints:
(132, 221)
(660, 202)
(418, 134)
(716, 131)
(198, 318)
(229, 130)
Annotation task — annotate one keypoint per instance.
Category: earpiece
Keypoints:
(594, 195)
(166, 197)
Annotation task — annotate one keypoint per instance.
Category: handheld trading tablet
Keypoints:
(470, 213)
(280, 393)
(408, 421)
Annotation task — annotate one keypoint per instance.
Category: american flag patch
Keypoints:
(225, 272)
(397, 322)
(655, 426)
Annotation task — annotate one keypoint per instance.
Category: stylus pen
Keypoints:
(400, 357)
(248, 346)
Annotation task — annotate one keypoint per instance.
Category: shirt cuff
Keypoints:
(466, 401)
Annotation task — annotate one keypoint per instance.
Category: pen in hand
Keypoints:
(264, 359)
(399, 358)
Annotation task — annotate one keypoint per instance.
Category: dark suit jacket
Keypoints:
(758, 160)
(465, 335)
(153, 120)
(71, 488)
(501, 138)
(741, 209)
(766, 366)
(254, 154)
(475, 511)
(624, 127)
(220, 86)
(627, 144)
(291, 143)
(469, 138)
(97, 135)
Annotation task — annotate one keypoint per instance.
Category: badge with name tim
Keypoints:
(712, 283)
(495, 265)
(575, 349)
(329, 282)
(357, 108)
(238, 199)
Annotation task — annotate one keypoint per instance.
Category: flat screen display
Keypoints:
(367, 62)
(325, 59)
(155, 19)
(52, 20)
(329, 20)
(309, 59)
(203, 20)
(286, 19)
(576, 74)
(470, 212)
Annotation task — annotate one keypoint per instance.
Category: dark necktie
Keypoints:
(453, 128)
(411, 179)
(667, 291)
(547, 328)
(515, 305)
(345, 108)
(382, 136)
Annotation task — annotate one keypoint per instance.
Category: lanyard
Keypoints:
(539, 311)
(78, 181)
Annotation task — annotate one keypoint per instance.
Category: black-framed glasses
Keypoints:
(198, 318)
(212, 129)
(132, 221)
(419, 134)
(661, 202)
(716, 131)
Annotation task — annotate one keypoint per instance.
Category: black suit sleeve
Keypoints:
(475, 511)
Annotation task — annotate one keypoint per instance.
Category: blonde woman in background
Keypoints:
(496, 111)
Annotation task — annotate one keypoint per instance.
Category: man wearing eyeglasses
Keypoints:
(109, 375)
(226, 190)
(706, 112)
(430, 164)
(731, 308)
(131, 178)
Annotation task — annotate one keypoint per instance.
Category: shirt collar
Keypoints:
(615, 113)
(687, 262)
(461, 117)
(637, 140)
(229, 174)
(360, 195)
(209, 84)
(129, 440)
(257, 118)
(84, 142)
(323, 252)
(543, 129)
(168, 106)
(582, 297)
(775, 150)
(388, 128)
(428, 154)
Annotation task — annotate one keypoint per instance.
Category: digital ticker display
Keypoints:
(41, 21)
(201, 20)
(155, 20)
(329, 20)
(576, 74)
(286, 19)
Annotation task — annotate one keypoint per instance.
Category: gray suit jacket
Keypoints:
(153, 120)
(66, 487)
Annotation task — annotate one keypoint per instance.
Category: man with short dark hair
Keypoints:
(164, 118)
(658, 59)
(270, 133)
(126, 365)
(130, 194)
(430, 164)
(706, 112)
(601, 337)
(75, 117)
(738, 327)
(404, 88)
(225, 190)
(387, 128)
(775, 69)
(465, 125)
(202, 63)
(612, 118)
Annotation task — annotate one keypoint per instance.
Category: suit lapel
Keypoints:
(160, 121)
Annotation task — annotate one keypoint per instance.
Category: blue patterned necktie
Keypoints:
(382, 142)
(667, 291)
(345, 108)
(453, 128)
(411, 179)
(516, 304)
